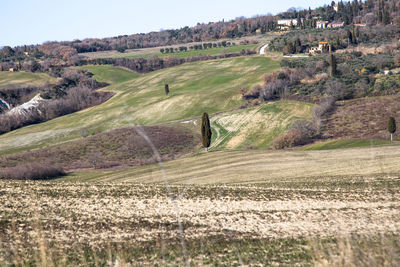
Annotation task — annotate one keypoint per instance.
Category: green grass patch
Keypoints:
(21, 78)
(149, 52)
(211, 51)
(350, 143)
(110, 74)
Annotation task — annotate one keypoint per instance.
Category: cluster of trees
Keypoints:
(16, 96)
(300, 41)
(340, 76)
(371, 12)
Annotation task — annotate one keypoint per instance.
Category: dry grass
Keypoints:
(261, 166)
(58, 219)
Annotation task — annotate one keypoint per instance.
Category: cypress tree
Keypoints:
(391, 127)
(166, 88)
(206, 131)
(386, 16)
(333, 65)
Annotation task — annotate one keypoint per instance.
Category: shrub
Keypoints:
(301, 133)
(34, 171)
(288, 140)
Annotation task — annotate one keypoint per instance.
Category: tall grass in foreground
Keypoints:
(381, 250)
(359, 251)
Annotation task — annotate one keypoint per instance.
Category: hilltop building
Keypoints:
(322, 24)
(335, 24)
(322, 47)
(288, 22)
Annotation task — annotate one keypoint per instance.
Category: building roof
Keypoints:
(336, 23)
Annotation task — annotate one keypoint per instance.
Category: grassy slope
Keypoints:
(210, 86)
(256, 127)
(110, 74)
(349, 143)
(260, 166)
(16, 79)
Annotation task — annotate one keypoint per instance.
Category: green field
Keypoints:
(21, 78)
(349, 143)
(110, 74)
(209, 86)
(149, 52)
(211, 51)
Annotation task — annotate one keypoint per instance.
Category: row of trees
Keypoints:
(203, 46)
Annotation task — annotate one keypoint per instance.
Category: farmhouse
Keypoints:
(322, 24)
(335, 24)
(287, 22)
(321, 48)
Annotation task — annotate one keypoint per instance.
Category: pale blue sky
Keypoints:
(36, 21)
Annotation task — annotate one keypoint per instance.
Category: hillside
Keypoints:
(211, 86)
(117, 148)
(256, 127)
(362, 118)
(20, 79)
(258, 166)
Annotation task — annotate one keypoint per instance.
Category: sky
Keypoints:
(37, 21)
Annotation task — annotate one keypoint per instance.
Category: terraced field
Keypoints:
(21, 78)
(210, 86)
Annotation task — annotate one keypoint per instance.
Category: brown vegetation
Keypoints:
(120, 147)
(31, 171)
(361, 118)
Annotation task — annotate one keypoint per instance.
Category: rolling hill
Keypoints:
(209, 86)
